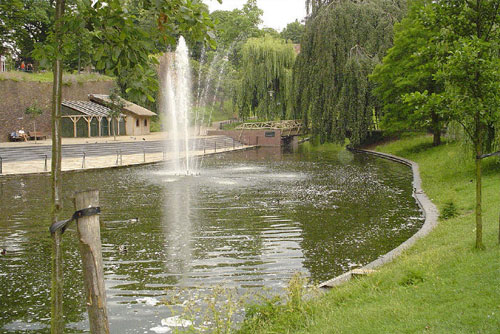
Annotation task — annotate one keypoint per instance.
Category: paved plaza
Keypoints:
(102, 152)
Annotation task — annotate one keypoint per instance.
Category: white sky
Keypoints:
(277, 13)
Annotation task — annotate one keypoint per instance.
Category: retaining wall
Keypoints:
(429, 210)
(16, 96)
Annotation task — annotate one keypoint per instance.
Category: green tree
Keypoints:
(293, 32)
(327, 62)
(408, 67)
(36, 22)
(11, 14)
(234, 27)
(266, 77)
(468, 63)
(34, 112)
(116, 106)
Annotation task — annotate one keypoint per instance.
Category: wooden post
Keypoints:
(93, 274)
(99, 120)
(89, 120)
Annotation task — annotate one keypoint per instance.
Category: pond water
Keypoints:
(250, 221)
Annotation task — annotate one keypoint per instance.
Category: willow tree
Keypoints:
(266, 78)
(341, 45)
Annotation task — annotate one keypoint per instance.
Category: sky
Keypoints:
(277, 13)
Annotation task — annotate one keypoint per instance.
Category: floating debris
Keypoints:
(151, 301)
(176, 321)
(161, 329)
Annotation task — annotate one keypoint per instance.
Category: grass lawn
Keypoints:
(48, 77)
(440, 285)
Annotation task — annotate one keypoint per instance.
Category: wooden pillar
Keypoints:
(99, 119)
(74, 120)
(89, 235)
(89, 120)
(109, 126)
(118, 125)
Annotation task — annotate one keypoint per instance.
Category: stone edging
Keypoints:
(430, 211)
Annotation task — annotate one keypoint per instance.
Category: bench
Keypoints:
(14, 136)
(36, 135)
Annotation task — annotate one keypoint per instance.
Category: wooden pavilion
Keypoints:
(92, 118)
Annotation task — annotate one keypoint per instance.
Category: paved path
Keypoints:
(85, 153)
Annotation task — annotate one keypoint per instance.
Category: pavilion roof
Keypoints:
(88, 108)
(129, 106)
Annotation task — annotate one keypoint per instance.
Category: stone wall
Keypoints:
(15, 97)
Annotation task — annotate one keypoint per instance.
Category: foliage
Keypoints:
(116, 106)
(293, 32)
(26, 22)
(230, 25)
(449, 210)
(418, 291)
(407, 67)
(314, 6)
(341, 45)
(33, 111)
(11, 13)
(298, 291)
(122, 38)
(234, 27)
(266, 76)
(356, 101)
(468, 65)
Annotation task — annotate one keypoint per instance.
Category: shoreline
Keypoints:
(430, 212)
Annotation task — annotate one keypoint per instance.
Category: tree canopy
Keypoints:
(293, 32)
(408, 67)
(468, 66)
(266, 77)
(341, 45)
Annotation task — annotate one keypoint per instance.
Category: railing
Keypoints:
(288, 125)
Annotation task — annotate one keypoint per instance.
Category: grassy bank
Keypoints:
(48, 77)
(441, 285)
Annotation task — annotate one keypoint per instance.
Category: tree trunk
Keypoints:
(57, 320)
(436, 138)
(479, 222)
(436, 129)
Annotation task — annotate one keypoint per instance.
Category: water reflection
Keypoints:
(178, 222)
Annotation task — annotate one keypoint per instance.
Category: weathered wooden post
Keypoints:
(89, 235)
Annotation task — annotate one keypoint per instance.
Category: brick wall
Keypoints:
(251, 137)
(15, 97)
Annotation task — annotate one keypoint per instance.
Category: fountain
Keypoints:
(176, 105)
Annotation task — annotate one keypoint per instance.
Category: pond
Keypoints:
(250, 221)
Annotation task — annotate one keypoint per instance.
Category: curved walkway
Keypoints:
(430, 211)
